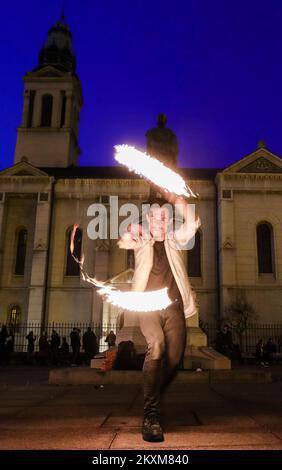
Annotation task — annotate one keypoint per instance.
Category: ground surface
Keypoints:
(35, 415)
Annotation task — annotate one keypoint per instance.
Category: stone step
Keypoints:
(86, 375)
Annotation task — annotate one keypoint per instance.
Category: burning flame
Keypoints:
(153, 170)
(134, 301)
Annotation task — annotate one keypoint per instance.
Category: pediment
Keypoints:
(22, 169)
(47, 71)
(260, 161)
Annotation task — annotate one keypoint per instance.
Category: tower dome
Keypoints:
(57, 50)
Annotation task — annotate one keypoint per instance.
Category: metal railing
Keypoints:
(250, 337)
(21, 330)
(248, 341)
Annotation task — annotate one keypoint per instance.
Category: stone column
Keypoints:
(39, 260)
(37, 109)
(25, 108)
(226, 242)
(68, 109)
(56, 111)
(2, 209)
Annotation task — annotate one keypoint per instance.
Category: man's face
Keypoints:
(158, 222)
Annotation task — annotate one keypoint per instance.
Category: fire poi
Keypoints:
(153, 170)
(165, 178)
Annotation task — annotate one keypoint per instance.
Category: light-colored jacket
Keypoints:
(144, 253)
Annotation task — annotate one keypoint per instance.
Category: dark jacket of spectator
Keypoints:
(89, 342)
(30, 342)
(111, 339)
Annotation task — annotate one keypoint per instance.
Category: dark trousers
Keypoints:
(165, 334)
(75, 354)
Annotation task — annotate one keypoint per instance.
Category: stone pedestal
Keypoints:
(198, 355)
(195, 337)
(204, 358)
(131, 332)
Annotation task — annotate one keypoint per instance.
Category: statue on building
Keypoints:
(162, 142)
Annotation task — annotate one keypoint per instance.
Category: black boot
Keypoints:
(152, 378)
(151, 429)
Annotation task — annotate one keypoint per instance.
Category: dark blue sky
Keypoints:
(213, 66)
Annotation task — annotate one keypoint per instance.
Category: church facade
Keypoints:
(237, 251)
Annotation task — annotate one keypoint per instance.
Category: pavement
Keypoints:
(233, 416)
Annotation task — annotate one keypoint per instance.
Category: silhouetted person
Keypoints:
(3, 337)
(64, 351)
(111, 339)
(270, 350)
(75, 344)
(236, 353)
(224, 342)
(43, 353)
(10, 344)
(30, 344)
(55, 344)
(89, 342)
(260, 353)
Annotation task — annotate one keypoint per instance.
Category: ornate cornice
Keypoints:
(250, 176)
(257, 286)
(25, 179)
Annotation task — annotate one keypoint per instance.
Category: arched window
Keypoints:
(21, 252)
(46, 111)
(72, 268)
(194, 258)
(130, 259)
(265, 248)
(14, 317)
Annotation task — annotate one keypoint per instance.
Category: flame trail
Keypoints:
(153, 170)
(134, 301)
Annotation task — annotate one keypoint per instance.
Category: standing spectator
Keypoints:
(270, 350)
(30, 344)
(227, 339)
(260, 353)
(64, 351)
(280, 344)
(43, 348)
(3, 338)
(10, 343)
(75, 344)
(55, 344)
(111, 339)
(224, 341)
(89, 342)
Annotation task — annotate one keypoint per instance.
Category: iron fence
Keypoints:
(247, 342)
(250, 337)
(21, 331)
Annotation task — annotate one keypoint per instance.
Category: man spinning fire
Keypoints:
(162, 295)
(158, 264)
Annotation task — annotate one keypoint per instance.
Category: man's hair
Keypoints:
(156, 200)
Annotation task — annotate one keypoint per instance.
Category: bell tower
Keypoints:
(48, 135)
